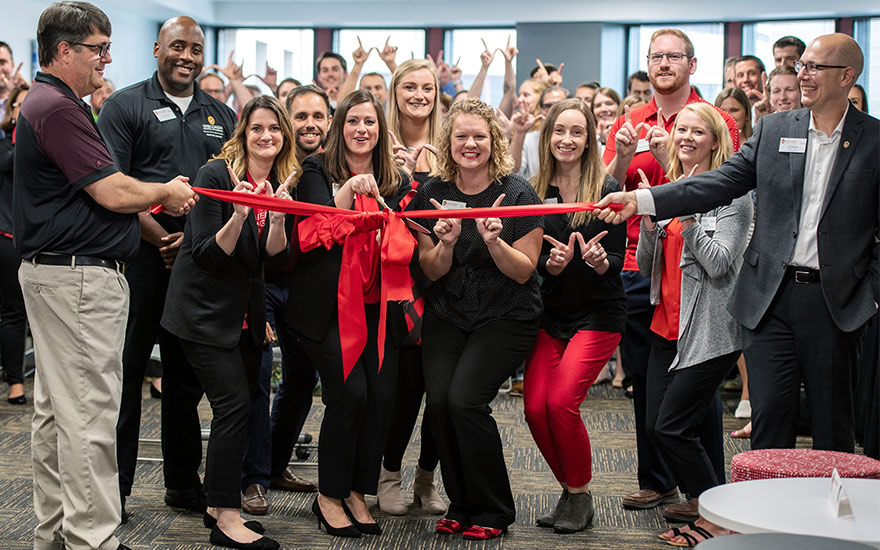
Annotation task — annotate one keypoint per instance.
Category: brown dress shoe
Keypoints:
(289, 481)
(643, 499)
(684, 512)
(255, 501)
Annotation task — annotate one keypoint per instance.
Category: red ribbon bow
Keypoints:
(354, 233)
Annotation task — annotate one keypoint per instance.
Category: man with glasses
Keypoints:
(811, 276)
(75, 225)
(637, 143)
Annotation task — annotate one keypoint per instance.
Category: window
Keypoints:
(708, 43)
(758, 38)
(464, 46)
(867, 34)
(288, 51)
(410, 45)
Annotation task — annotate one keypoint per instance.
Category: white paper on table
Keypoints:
(840, 503)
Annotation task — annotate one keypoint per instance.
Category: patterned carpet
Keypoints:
(607, 413)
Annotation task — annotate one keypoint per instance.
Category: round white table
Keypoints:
(795, 505)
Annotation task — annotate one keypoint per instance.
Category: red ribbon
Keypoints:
(353, 229)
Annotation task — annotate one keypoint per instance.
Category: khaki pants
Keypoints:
(77, 316)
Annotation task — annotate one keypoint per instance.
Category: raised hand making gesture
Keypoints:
(561, 254)
(490, 228)
(446, 229)
(593, 253)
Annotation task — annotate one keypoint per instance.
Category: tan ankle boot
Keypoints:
(425, 493)
(390, 498)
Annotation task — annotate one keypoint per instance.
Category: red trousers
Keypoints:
(558, 374)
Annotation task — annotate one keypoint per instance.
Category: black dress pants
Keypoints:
(229, 377)
(408, 401)
(12, 314)
(797, 340)
(635, 349)
(689, 395)
(357, 410)
(463, 371)
(707, 427)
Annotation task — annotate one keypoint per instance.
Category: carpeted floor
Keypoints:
(606, 412)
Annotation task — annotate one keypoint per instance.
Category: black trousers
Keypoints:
(797, 340)
(12, 314)
(229, 377)
(463, 371)
(707, 427)
(689, 396)
(408, 401)
(148, 282)
(635, 349)
(357, 410)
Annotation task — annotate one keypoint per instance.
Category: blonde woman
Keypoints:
(481, 316)
(584, 307)
(693, 263)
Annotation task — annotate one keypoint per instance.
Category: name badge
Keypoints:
(163, 114)
(552, 200)
(453, 205)
(642, 146)
(708, 223)
(792, 145)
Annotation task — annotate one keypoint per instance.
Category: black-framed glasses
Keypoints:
(813, 68)
(101, 50)
(673, 57)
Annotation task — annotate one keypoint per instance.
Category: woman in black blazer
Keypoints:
(216, 299)
(357, 414)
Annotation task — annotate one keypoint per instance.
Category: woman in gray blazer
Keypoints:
(693, 263)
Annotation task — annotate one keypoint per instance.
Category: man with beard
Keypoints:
(271, 439)
(637, 143)
(163, 125)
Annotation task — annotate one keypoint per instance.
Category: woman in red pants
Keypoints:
(584, 307)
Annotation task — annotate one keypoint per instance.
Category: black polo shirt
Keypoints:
(58, 152)
(152, 140)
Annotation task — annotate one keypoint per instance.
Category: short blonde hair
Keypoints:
(500, 161)
(688, 45)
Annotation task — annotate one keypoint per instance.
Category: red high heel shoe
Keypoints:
(475, 532)
(448, 527)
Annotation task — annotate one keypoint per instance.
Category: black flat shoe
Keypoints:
(255, 526)
(155, 393)
(220, 538)
(347, 531)
(20, 400)
(365, 528)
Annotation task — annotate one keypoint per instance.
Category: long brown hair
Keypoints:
(740, 97)
(592, 167)
(8, 123)
(434, 120)
(384, 169)
(234, 151)
(500, 161)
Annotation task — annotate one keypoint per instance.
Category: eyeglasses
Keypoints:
(813, 68)
(101, 50)
(673, 57)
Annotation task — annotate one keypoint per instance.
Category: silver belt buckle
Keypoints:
(797, 276)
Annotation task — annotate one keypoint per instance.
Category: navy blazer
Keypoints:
(849, 253)
(210, 291)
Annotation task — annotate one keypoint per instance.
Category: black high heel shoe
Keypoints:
(155, 392)
(220, 538)
(347, 531)
(365, 528)
(255, 526)
(20, 400)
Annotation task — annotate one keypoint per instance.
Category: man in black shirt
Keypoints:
(74, 227)
(163, 125)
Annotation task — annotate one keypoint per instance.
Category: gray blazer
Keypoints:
(710, 263)
(849, 252)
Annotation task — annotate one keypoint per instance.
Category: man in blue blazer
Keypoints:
(811, 276)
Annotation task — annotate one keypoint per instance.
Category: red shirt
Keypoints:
(668, 311)
(655, 173)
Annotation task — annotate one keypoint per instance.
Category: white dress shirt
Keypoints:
(821, 152)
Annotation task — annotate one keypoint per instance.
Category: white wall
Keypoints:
(133, 37)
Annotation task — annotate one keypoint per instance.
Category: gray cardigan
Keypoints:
(710, 262)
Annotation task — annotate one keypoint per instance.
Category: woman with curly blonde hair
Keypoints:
(481, 315)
